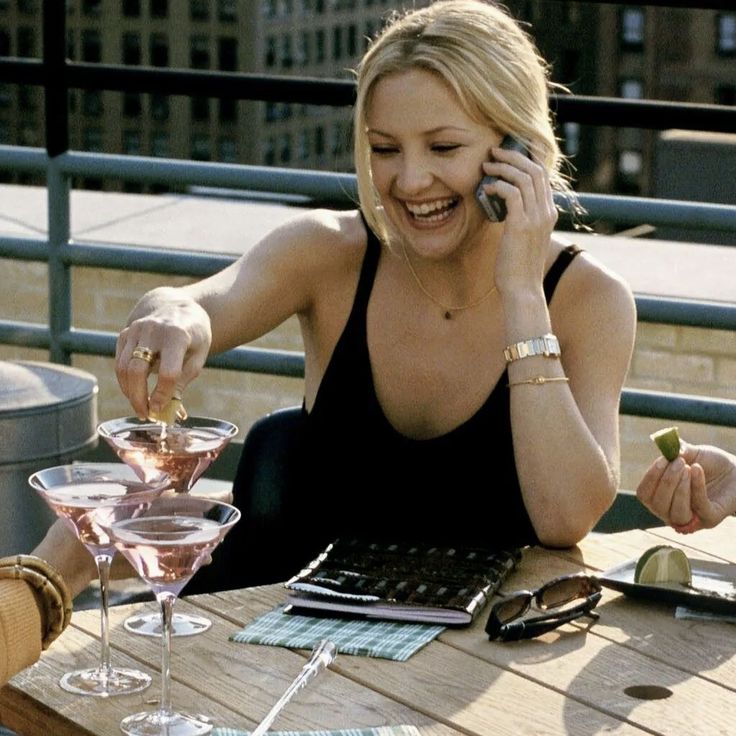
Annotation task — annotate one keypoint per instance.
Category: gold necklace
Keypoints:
(448, 310)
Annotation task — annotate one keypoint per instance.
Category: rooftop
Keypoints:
(228, 223)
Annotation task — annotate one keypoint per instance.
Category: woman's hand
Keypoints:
(695, 491)
(177, 332)
(531, 216)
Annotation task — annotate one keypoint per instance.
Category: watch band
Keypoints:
(547, 345)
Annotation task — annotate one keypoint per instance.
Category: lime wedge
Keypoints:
(663, 564)
(170, 413)
(668, 442)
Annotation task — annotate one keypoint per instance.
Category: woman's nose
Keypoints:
(413, 177)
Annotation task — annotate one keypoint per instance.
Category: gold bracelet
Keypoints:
(538, 381)
(49, 583)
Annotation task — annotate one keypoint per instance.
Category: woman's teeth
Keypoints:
(431, 211)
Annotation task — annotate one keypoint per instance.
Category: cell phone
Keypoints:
(492, 204)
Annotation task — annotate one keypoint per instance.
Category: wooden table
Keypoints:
(571, 681)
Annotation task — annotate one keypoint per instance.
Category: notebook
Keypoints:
(400, 581)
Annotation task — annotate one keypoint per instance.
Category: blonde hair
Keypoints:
(491, 64)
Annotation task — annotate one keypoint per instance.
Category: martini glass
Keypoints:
(183, 451)
(166, 545)
(89, 497)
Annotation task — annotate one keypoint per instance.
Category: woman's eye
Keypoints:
(382, 150)
(445, 147)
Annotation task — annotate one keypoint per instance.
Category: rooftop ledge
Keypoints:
(230, 225)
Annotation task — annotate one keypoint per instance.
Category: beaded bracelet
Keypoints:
(49, 583)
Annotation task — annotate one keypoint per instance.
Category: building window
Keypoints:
(200, 108)
(131, 143)
(631, 89)
(227, 110)
(319, 141)
(159, 49)
(92, 103)
(726, 34)
(725, 94)
(4, 43)
(285, 148)
(26, 42)
(269, 155)
(352, 40)
(5, 97)
(337, 51)
(270, 60)
(287, 56)
(91, 46)
(268, 8)
(160, 145)
(131, 49)
(199, 9)
(303, 55)
(199, 53)
(92, 8)
(319, 39)
(159, 107)
(632, 28)
(228, 151)
(28, 7)
(132, 8)
(200, 148)
(92, 139)
(159, 8)
(227, 54)
(27, 98)
(132, 104)
(227, 11)
(302, 147)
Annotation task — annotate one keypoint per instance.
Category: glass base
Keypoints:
(162, 723)
(104, 683)
(182, 624)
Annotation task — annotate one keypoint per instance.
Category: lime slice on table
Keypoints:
(663, 564)
(173, 410)
(668, 442)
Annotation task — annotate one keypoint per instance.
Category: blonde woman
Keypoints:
(462, 375)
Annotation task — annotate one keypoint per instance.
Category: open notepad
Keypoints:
(439, 584)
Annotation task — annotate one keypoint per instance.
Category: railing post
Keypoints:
(56, 107)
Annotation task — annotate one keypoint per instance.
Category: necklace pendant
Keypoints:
(448, 314)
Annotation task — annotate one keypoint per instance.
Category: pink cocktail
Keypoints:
(90, 497)
(183, 451)
(166, 545)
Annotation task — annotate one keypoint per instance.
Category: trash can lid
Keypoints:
(27, 384)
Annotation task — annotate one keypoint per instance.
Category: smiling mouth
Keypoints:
(436, 211)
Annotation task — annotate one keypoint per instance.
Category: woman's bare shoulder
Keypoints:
(333, 234)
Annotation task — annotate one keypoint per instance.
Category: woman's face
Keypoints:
(426, 156)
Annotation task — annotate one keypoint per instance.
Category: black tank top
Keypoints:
(364, 477)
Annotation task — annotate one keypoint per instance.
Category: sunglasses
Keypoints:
(503, 622)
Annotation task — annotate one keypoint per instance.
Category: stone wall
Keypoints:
(667, 358)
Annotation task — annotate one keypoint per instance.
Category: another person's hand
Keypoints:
(172, 335)
(695, 491)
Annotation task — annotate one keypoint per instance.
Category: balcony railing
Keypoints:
(56, 75)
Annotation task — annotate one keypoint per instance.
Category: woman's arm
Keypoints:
(282, 275)
(566, 434)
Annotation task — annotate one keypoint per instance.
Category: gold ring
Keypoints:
(144, 354)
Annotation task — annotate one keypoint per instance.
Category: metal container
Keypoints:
(48, 416)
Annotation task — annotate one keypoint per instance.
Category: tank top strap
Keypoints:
(558, 268)
(367, 270)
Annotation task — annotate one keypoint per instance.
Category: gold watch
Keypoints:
(547, 345)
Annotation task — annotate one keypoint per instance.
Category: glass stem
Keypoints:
(167, 601)
(103, 571)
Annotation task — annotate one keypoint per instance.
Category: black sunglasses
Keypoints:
(503, 623)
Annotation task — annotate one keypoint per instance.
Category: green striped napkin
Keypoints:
(380, 731)
(386, 639)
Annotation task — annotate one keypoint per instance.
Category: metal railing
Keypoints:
(56, 75)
